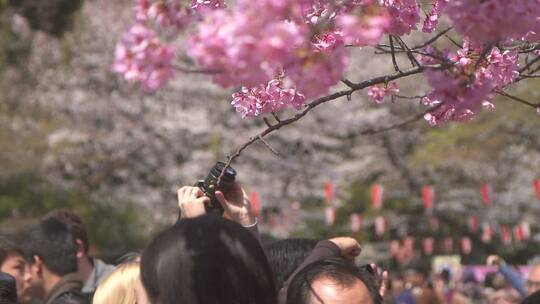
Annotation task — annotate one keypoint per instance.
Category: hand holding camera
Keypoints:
(227, 199)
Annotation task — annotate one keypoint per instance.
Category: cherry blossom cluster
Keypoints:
(262, 99)
(432, 18)
(378, 93)
(489, 22)
(142, 57)
(460, 92)
(283, 52)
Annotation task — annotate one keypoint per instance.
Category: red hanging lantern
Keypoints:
(394, 247)
(427, 245)
(506, 235)
(466, 245)
(356, 222)
(536, 185)
(329, 192)
(487, 233)
(380, 226)
(377, 194)
(487, 194)
(255, 203)
(330, 215)
(473, 223)
(428, 196)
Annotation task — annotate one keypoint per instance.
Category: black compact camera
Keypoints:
(209, 185)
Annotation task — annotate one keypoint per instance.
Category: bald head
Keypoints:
(533, 279)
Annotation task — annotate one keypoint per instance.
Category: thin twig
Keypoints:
(430, 41)
(268, 124)
(411, 120)
(269, 146)
(195, 71)
(453, 41)
(276, 117)
(413, 60)
(521, 100)
(392, 50)
(409, 97)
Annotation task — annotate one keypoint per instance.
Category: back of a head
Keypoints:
(118, 287)
(7, 246)
(74, 223)
(8, 289)
(207, 260)
(286, 255)
(52, 241)
(344, 274)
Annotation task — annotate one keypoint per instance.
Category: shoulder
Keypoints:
(71, 297)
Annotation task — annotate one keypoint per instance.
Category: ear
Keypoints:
(80, 249)
(37, 265)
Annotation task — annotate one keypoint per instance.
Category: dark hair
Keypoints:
(339, 270)
(8, 289)
(54, 244)
(74, 223)
(207, 260)
(8, 246)
(286, 255)
(533, 298)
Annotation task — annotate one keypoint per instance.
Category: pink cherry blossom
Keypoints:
(432, 18)
(142, 57)
(377, 93)
(404, 15)
(260, 100)
(462, 91)
(488, 22)
(364, 29)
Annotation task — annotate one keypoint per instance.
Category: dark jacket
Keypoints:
(67, 291)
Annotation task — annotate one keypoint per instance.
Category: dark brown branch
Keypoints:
(410, 55)
(392, 50)
(409, 97)
(432, 40)
(195, 71)
(268, 124)
(520, 100)
(354, 87)
(453, 41)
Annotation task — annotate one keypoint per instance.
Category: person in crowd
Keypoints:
(207, 259)
(52, 253)
(341, 247)
(120, 286)
(286, 255)
(12, 262)
(8, 289)
(416, 278)
(333, 281)
(524, 287)
(90, 269)
(533, 298)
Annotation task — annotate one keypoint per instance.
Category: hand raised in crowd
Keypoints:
(381, 277)
(494, 260)
(349, 247)
(191, 201)
(236, 205)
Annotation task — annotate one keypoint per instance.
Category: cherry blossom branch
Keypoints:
(317, 102)
(520, 100)
(195, 71)
(433, 39)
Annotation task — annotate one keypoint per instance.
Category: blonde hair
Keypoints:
(119, 286)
